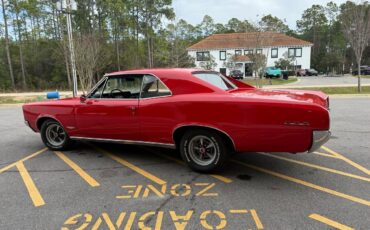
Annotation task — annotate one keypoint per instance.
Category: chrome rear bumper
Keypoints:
(318, 139)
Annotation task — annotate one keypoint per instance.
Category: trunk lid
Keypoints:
(308, 96)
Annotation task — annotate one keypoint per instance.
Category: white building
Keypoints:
(274, 46)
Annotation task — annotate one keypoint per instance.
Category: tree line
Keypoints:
(114, 35)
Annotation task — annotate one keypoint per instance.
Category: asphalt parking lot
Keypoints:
(105, 186)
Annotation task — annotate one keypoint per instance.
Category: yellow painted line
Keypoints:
(89, 179)
(256, 219)
(325, 155)
(318, 167)
(305, 183)
(354, 164)
(218, 177)
(22, 160)
(30, 185)
(221, 178)
(330, 222)
(132, 167)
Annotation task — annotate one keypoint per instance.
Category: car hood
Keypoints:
(308, 96)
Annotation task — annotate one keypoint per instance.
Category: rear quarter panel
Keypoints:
(253, 125)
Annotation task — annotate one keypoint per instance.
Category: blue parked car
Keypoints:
(271, 72)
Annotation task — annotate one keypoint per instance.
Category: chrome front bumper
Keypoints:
(318, 139)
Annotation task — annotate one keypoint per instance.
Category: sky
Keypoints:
(221, 11)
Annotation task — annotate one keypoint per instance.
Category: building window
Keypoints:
(274, 52)
(298, 52)
(238, 52)
(203, 56)
(246, 52)
(222, 55)
(295, 52)
(259, 51)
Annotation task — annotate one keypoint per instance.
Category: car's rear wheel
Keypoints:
(54, 136)
(203, 150)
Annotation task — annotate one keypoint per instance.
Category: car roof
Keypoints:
(178, 80)
(156, 71)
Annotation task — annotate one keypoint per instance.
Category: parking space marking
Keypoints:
(329, 222)
(317, 167)
(218, 177)
(89, 179)
(256, 219)
(305, 183)
(325, 155)
(132, 167)
(22, 160)
(340, 156)
(30, 185)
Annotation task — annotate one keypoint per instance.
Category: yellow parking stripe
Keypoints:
(325, 155)
(89, 179)
(354, 164)
(218, 177)
(256, 219)
(318, 167)
(329, 222)
(305, 183)
(222, 178)
(22, 160)
(30, 185)
(132, 167)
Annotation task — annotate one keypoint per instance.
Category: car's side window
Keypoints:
(123, 87)
(96, 93)
(153, 87)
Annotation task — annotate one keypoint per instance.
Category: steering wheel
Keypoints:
(113, 90)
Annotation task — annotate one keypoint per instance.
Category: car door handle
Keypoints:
(133, 109)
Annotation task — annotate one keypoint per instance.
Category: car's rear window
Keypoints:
(216, 79)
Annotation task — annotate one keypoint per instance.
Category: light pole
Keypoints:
(71, 48)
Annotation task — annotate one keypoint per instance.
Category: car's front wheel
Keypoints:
(54, 136)
(203, 150)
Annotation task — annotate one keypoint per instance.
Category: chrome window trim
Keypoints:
(114, 99)
(141, 90)
(129, 142)
(106, 77)
(96, 86)
(213, 72)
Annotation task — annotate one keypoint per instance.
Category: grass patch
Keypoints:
(340, 90)
(274, 81)
(362, 76)
(17, 100)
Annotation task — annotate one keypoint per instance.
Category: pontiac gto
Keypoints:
(203, 114)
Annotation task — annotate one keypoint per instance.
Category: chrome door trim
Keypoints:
(128, 142)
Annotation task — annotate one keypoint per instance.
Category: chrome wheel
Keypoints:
(55, 135)
(202, 150)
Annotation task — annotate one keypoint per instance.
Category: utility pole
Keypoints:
(71, 48)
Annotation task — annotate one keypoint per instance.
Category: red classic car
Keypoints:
(203, 114)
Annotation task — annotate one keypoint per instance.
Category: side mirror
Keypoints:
(83, 98)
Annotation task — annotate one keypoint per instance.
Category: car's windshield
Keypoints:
(216, 79)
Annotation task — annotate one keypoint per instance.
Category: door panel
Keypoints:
(110, 112)
(108, 119)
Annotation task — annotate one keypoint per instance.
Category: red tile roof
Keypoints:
(248, 40)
